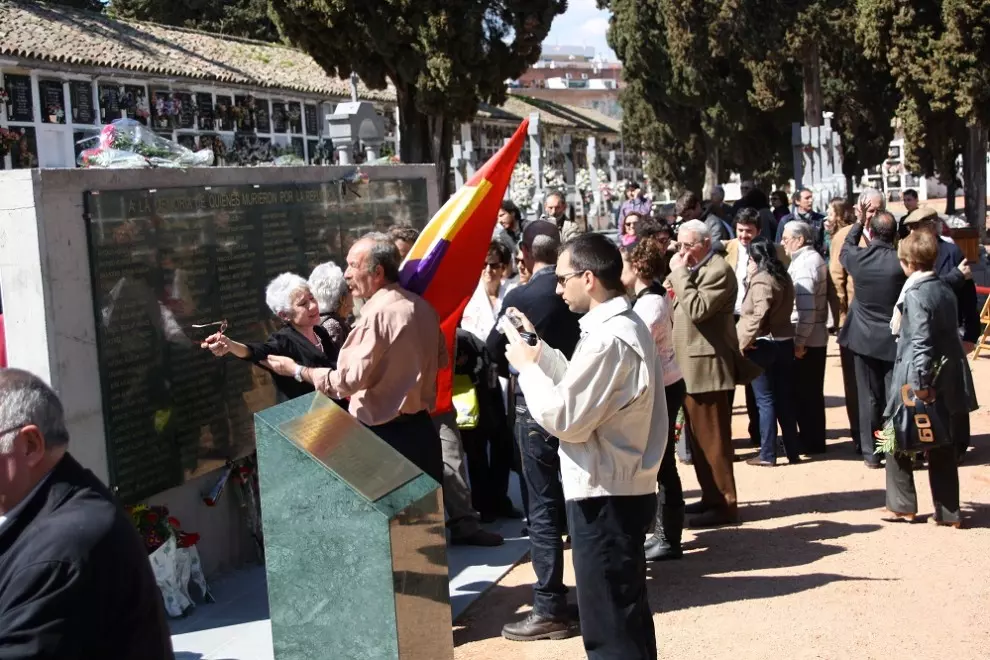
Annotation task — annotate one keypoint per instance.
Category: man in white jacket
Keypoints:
(607, 407)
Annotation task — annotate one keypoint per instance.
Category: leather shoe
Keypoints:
(756, 460)
(535, 627)
(696, 507)
(711, 518)
(480, 538)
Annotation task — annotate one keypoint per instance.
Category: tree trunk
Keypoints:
(849, 188)
(712, 171)
(812, 87)
(950, 197)
(424, 139)
(975, 177)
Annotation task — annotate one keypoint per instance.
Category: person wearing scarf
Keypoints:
(931, 362)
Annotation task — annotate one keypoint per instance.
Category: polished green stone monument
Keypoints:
(354, 540)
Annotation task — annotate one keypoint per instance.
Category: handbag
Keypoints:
(465, 402)
(918, 425)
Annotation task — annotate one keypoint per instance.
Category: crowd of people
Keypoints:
(577, 355)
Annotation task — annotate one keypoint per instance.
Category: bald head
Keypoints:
(884, 226)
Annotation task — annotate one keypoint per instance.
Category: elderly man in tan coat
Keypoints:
(707, 351)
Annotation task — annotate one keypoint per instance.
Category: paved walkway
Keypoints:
(811, 572)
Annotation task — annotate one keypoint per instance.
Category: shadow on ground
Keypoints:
(700, 579)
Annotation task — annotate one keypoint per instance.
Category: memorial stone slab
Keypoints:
(355, 549)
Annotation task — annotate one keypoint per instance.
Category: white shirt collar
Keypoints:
(602, 313)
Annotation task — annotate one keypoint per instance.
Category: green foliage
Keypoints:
(240, 18)
(726, 75)
(90, 5)
(442, 56)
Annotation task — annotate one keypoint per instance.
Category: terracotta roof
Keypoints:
(57, 34)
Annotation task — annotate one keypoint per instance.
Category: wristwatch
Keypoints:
(298, 374)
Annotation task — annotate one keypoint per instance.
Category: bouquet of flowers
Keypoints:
(8, 139)
(127, 143)
(553, 178)
(156, 526)
(521, 185)
(4, 97)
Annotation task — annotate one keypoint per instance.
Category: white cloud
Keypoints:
(583, 24)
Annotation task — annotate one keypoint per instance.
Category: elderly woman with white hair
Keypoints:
(334, 297)
(303, 338)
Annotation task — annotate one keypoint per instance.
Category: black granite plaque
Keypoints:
(244, 113)
(109, 103)
(187, 110)
(280, 121)
(161, 105)
(165, 261)
(312, 121)
(20, 104)
(187, 140)
(262, 116)
(313, 151)
(52, 94)
(205, 111)
(224, 113)
(297, 147)
(294, 112)
(24, 154)
(81, 95)
(137, 103)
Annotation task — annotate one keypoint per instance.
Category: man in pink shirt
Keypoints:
(388, 365)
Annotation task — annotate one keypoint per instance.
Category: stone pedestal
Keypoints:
(354, 540)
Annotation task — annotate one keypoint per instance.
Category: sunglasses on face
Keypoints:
(562, 279)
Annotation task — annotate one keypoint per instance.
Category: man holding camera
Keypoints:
(607, 406)
(541, 489)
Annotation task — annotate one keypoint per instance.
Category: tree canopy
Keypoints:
(732, 71)
(241, 18)
(442, 56)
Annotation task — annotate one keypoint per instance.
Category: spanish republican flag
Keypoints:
(444, 266)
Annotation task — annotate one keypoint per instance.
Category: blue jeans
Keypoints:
(547, 518)
(773, 390)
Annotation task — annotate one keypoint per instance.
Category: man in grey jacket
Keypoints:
(607, 405)
(810, 318)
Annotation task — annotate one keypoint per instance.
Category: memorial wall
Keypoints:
(168, 259)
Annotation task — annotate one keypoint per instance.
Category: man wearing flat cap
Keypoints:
(635, 203)
(952, 268)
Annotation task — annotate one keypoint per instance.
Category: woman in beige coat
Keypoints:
(766, 337)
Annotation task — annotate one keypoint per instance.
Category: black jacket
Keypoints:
(538, 300)
(290, 343)
(75, 581)
(878, 279)
(947, 268)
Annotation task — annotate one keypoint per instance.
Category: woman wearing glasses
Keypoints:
(302, 337)
(486, 302)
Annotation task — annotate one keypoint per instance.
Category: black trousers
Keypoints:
(610, 570)
(873, 383)
(545, 511)
(670, 492)
(959, 428)
(851, 392)
(416, 438)
(943, 476)
(809, 400)
(489, 449)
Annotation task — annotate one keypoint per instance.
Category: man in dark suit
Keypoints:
(878, 278)
(75, 581)
(543, 493)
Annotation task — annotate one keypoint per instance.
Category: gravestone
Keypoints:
(355, 549)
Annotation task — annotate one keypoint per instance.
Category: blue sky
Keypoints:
(583, 24)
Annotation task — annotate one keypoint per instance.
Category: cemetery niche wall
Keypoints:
(164, 260)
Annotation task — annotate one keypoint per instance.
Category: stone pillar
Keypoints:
(467, 150)
(536, 160)
(566, 148)
(613, 174)
(455, 164)
(596, 191)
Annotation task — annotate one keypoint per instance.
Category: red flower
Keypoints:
(173, 521)
(152, 517)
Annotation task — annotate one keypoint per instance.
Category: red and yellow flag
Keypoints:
(445, 264)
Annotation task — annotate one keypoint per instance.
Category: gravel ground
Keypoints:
(811, 571)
